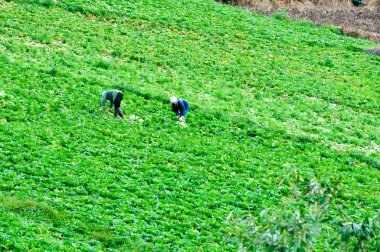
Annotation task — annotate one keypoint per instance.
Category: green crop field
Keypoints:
(269, 97)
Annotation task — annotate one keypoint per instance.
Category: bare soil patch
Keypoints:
(353, 20)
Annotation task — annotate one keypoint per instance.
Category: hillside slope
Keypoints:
(267, 97)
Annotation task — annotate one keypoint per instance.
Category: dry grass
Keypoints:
(354, 21)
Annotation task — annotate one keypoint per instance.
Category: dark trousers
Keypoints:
(117, 102)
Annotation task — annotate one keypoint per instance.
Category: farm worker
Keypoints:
(115, 97)
(180, 107)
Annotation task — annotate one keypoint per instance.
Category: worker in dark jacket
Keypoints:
(115, 97)
(180, 107)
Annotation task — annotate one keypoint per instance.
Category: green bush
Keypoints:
(311, 212)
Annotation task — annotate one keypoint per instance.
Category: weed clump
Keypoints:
(101, 235)
(30, 205)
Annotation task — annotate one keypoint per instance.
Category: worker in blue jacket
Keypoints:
(180, 107)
